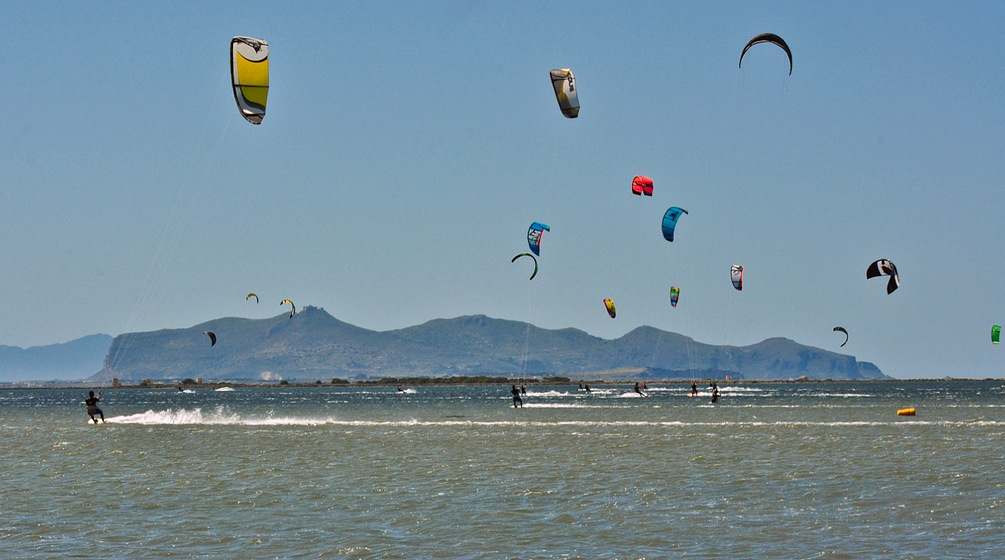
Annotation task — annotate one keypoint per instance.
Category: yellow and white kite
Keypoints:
(249, 73)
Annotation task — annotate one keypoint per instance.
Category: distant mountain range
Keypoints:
(315, 345)
(68, 361)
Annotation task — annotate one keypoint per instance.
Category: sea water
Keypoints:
(810, 470)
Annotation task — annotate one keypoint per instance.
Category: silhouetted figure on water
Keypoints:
(517, 401)
(92, 407)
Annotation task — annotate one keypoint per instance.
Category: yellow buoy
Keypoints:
(910, 411)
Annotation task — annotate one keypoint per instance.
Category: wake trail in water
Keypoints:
(565, 405)
(221, 417)
(550, 394)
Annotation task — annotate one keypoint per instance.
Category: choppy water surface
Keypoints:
(772, 471)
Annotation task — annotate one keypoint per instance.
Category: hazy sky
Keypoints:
(408, 146)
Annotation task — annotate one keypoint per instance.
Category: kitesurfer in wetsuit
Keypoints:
(715, 392)
(638, 389)
(694, 389)
(92, 407)
(588, 388)
(523, 389)
(517, 401)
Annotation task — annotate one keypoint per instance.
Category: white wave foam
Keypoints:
(549, 394)
(630, 395)
(385, 393)
(221, 417)
(703, 391)
(725, 389)
(188, 391)
(407, 392)
(217, 417)
(224, 389)
(565, 405)
(841, 395)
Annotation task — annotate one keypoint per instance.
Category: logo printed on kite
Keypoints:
(534, 236)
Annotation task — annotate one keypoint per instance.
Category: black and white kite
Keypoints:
(884, 267)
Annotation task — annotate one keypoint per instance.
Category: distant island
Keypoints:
(66, 361)
(313, 345)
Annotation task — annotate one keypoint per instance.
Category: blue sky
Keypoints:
(408, 146)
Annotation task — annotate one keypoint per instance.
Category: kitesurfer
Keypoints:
(92, 407)
(694, 389)
(715, 392)
(523, 389)
(517, 401)
(638, 389)
(587, 388)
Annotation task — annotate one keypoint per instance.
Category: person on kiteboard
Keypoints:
(92, 407)
(517, 401)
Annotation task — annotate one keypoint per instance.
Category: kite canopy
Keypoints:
(768, 38)
(884, 267)
(642, 185)
(842, 330)
(674, 295)
(736, 276)
(251, 295)
(293, 308)
(533, 274)
(996, 334)
(249, 74)
(670, 221)
(564, 82)
(534, 235)
(212, 338)
(609, 305)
